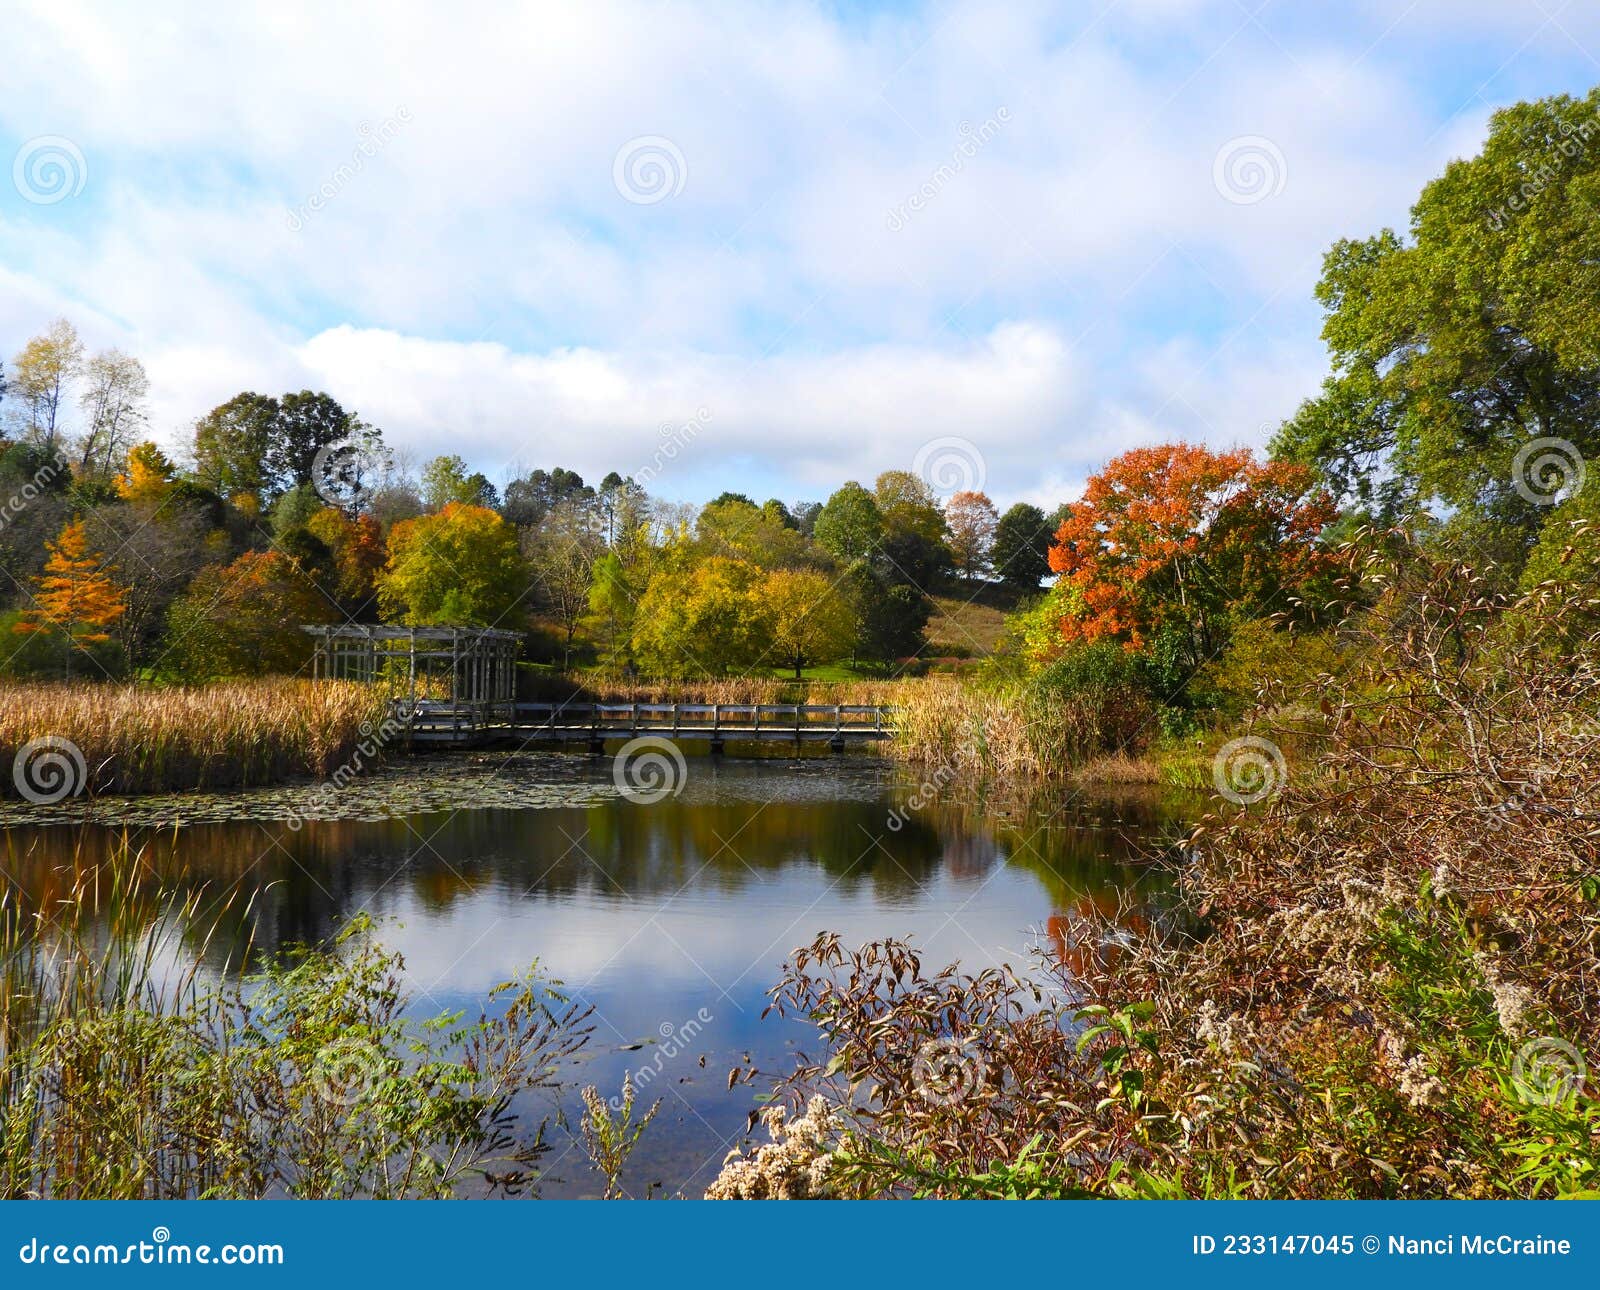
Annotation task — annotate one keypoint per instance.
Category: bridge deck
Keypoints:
(837, 724)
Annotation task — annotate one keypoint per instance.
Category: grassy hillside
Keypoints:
(969, 620)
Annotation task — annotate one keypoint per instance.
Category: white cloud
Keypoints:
(480, 286)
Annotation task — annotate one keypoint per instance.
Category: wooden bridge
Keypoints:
(836, 724)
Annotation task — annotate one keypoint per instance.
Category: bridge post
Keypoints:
(716, 730)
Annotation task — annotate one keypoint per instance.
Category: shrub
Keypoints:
(1382, 982)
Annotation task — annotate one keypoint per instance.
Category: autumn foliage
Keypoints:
(76, 595)
(1178, 540)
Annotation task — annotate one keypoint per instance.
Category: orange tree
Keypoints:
(1172, 544)
(76, 599)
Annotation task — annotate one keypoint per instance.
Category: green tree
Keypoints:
(740, 531)
(305, 424)
(909, 505)
(891, 617)
(1456, 347)
(41, 375)
(1021, 554)
(244, 618)
(529, 498)
(849, 526)
(561, 553)
(446, 479)
(231, 443)
(459, 567)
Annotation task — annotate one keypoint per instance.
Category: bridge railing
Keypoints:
(706, 717)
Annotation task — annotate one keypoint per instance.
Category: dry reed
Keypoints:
(137, 739)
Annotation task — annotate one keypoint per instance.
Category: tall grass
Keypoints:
(128, 1071)
(1019, 729)
(138, 739)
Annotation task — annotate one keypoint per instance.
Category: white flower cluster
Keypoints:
(1512, 1003)
(793, 1166)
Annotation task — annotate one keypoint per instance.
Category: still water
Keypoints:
(670, 918)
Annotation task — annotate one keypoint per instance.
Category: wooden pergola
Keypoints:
(464, 672)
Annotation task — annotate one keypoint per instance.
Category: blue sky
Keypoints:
(827, 235)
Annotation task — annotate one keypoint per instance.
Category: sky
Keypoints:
(760, 246)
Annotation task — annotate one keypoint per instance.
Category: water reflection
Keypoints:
(671, 919)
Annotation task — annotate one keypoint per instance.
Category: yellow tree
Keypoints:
(810, 620)
(149, 475)
(461, 566)
(76, 595)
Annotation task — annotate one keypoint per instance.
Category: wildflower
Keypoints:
(795, 1165)
(1362, 899)
(1512, 1003)
(1420, 1087)
(1211, 1028)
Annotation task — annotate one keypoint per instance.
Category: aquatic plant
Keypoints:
(129, 1070)
(141, 739)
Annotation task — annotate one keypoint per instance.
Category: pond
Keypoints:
(670, 918)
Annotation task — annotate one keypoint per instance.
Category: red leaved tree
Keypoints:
(1179, 541)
